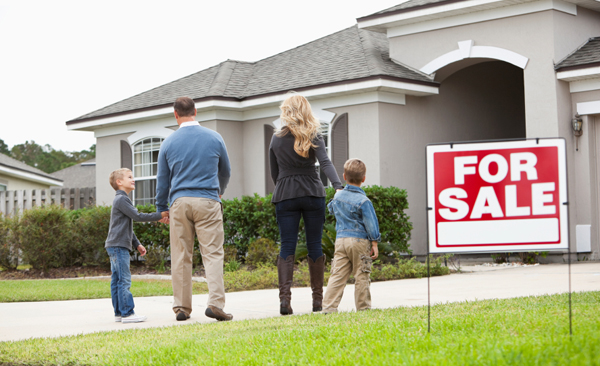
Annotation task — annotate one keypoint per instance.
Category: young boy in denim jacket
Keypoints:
(356, 240)
(119, 242)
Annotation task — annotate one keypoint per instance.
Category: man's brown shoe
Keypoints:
(181, 316)
(216, 313)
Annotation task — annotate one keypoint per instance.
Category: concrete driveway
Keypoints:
(62, 318)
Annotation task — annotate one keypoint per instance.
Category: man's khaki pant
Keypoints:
(204, 217)
(352, 256)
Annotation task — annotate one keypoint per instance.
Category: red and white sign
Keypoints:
(497, 196)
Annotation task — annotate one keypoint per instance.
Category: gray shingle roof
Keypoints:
(588, 54)
(16, 164)
(410, 4)
(81, 175)
(346, 55)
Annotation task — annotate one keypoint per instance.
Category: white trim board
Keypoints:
(29, 176)
(482, 16)
(578, 86)
(588, 108)
(579, 74)
(467, 50)
(242, 110)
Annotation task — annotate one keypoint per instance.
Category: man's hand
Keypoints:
(142, 250)
(374, 250)
(165, 217)
(164, 214)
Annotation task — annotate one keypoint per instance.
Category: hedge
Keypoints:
(51, 236)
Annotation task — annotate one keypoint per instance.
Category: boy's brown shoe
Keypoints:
(216, 313)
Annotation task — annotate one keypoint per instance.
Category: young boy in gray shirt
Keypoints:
(119, 244)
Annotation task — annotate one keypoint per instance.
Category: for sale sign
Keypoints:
(497, 196)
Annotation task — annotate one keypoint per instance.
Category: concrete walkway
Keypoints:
(61, 318)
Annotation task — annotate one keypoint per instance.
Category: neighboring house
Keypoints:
(15, 175)
(421, 72)
(81, 175)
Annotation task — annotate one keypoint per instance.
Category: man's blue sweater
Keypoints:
(192, 162)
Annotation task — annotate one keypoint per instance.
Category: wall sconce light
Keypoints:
(577, 125)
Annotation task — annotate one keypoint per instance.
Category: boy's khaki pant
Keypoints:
(352, 256)
(204, 217)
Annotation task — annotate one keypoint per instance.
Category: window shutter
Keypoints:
(126, 157)
(339, 144)
(269, 184)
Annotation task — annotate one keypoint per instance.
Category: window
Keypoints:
(2, 187)
(145, 168)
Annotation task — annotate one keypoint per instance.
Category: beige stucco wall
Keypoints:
(108, 159)
(232, 133)
(14, 183)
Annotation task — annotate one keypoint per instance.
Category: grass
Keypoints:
(51, 290)
(261, 277)
(521, 331)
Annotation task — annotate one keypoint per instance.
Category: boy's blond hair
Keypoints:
(117, 174)
(355, 171)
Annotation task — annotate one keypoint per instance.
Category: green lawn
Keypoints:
(50, 290)
(522, 331)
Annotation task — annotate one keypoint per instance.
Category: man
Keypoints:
(193, 172)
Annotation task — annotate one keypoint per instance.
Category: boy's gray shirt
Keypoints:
(122, 215)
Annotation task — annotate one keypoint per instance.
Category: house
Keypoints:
(422, 72)
(15, 175)
(82, 175)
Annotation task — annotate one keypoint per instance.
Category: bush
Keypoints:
(262, 251)
(90, 229)
(9, 247)
(45, 238)
(156, 257)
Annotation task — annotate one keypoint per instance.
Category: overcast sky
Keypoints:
(62, 59)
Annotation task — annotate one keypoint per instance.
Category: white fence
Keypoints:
(70, 198)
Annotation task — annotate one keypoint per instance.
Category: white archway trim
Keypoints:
(467, 50)
(149, 131)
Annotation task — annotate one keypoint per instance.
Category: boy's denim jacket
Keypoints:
(354, 214)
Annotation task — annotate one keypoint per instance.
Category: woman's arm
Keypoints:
(326, 165)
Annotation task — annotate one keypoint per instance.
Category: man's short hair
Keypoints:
(355, 171)
(117, 174)
(184, 106)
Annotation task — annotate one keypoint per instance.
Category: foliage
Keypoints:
(48, 159)
(261, 251)
(156, 257)
(4, 148)
(519, 331)
(90, 228)
(9, 246)
(328, 240)
(231, 266)
(247, 219)
(44, 238)
(390, 204)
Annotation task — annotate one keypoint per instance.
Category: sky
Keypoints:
(62, 59)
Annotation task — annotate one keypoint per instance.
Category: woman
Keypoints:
(299, 192)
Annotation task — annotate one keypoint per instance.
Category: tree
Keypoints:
(47, 159)
(6, 151)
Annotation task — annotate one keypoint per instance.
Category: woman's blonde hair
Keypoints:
(297, 118)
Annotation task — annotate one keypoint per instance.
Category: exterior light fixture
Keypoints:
(577, 125)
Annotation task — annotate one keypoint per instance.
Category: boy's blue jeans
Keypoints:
(120, 282)
(312, 209)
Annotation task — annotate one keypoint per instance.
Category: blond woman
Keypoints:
(299, 192)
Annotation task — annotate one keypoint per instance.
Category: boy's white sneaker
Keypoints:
(118, 318)
(133, 318)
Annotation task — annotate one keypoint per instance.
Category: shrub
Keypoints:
(45, 238)
(262, 250)
(9, 248)
(232, 266)
(156, 257)
(90, 229)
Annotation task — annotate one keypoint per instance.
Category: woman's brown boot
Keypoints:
(317, 274)
(285, 272)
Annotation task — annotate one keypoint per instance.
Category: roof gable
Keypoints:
(15, 164)
(587, 55)
(346, 55)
